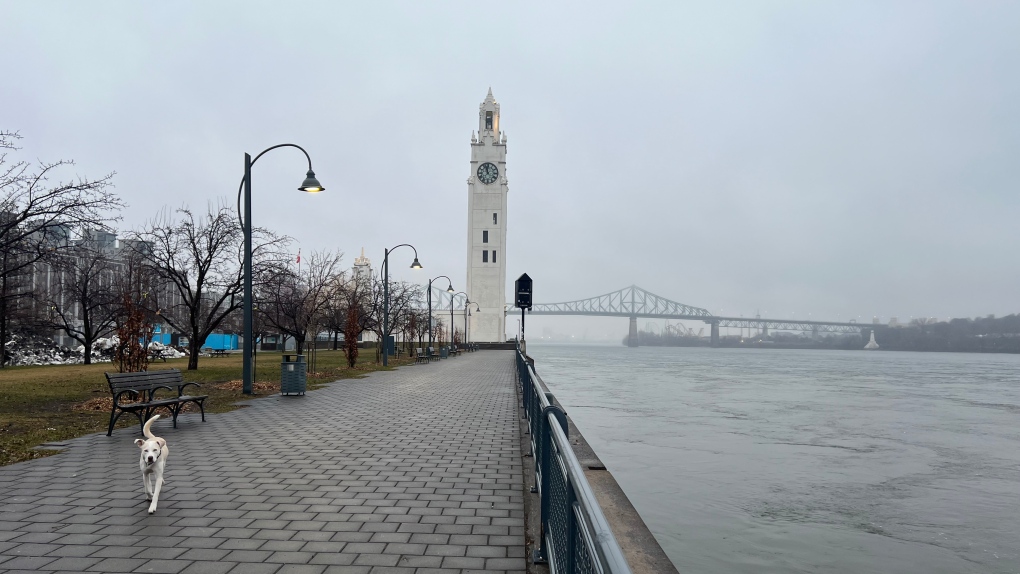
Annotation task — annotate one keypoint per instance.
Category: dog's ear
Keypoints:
(162, 443)
(139, 442)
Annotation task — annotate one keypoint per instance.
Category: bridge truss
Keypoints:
(631, 301)
(636, 302)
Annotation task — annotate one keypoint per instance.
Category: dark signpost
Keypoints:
(522, 296)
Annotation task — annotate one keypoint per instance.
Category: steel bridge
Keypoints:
(634, 302)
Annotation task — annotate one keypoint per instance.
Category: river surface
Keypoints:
(744, 460)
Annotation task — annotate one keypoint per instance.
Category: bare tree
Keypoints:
(418, 325)
(438, 330)
(198, 262)
(404, 297)
(353, 299)
(293, 303)
(85, 302)
(36, 218)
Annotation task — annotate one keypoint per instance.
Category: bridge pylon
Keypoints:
(632, 338)
(715, 333)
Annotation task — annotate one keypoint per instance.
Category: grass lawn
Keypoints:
(46, 404)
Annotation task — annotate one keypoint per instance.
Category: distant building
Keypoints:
(363, 268)
(363, 274)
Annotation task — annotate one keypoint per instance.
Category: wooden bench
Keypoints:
(218, 353)
(141, 387)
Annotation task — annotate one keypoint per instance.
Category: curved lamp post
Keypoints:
(309, 185)
(467, 313)
(449, 289)
(386, 295)
(452, 295)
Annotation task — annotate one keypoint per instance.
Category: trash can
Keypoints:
(293, 375)
(444, 352)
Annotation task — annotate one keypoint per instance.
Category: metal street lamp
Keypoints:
(467, 313)
(449, 289)
(452, 295)
(309, 185)
(386, 296)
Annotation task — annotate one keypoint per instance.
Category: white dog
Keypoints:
(153, 462)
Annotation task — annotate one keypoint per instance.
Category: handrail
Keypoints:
(576, 537)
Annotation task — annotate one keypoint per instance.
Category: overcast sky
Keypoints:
(831, 159)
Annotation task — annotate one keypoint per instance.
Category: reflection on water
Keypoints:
(807, 461)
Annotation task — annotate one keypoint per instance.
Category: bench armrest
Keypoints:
(180, 388)
(152, 392)
(116, 397)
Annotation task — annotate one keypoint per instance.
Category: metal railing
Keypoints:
(575, 536)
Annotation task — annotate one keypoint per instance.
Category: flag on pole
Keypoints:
(299, 255)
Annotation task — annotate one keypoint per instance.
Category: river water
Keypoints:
(744, 460)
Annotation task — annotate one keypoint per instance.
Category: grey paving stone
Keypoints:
(446, 550)
(255, 569)
(463, 562)
(28, 562)
(283, 546)
(338, 559)
(487, 551)
(347, 570)
(164, 566)
(116, 565)
(301, 569)
(160, 552)
(390, 537)
(116, 551)
(241, 544)
(392, 570)
(505, 564)
(209, 567)
(248, 556)
(377, 560)
(290, 557)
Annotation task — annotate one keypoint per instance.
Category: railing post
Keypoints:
(541, 556)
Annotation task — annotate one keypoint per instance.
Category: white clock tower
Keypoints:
(487, 189)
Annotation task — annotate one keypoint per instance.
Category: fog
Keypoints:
(793, 159)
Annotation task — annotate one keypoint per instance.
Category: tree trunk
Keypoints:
(87, 353)
(3, 319)
(193, 358)
(194, 348)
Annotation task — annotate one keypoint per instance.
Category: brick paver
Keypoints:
(413, 470)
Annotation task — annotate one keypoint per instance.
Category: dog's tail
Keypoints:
(147, 429)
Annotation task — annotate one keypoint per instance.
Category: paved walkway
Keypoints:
(414, 470)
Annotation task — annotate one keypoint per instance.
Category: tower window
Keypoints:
(488, 120)
(485, 236)
(493, 255)
(494, 222)
(485, 256)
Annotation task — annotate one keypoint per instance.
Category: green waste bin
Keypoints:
(293, 375)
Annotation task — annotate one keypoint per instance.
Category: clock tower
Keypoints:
(486, 252)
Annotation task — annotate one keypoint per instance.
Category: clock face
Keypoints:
(488, 173)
